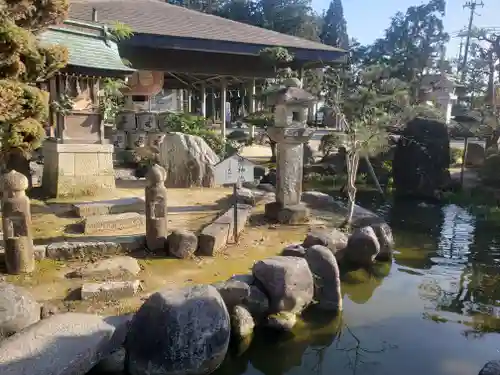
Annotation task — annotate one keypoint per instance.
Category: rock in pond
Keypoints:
(18, 309)
(491, 368)
(362, 247)
(64, 344)
(288, 282)
(386, 240)
(294, 250)
(182, 244)
(242, 323)
(257, 303)
(179, 331)
(325, 269)
(333, 239)
(282, 321)
(233, 292)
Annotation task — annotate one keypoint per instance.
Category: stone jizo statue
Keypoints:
(16, 223)
(156, 208)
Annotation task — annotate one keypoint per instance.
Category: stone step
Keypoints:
(108, 207)
(113, 223)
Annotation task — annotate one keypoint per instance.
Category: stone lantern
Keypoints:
(290, 132)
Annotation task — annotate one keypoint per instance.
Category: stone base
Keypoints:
(295, 214)
(77, 169)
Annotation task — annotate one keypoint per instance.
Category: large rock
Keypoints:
(233, 292)
(288, 282)
(18, 309)
(64, 344)
(491, 368)
(325, 269)
(188, 160)
(182, 244)
(362, 247)
(333, 239)
(179, 331)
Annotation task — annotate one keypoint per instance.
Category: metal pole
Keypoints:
(472, 5)
(235, 213)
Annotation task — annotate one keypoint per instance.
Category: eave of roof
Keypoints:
(89, 46)
(162, 25)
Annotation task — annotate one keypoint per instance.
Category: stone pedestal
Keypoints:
(77, 169)
(289, 174)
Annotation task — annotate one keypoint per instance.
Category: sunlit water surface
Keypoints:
(435, 310)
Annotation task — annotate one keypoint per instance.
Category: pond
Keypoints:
(435, 310)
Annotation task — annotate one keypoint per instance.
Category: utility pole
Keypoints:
(472, 5)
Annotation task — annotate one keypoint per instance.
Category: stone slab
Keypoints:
(63, 344)
(83, 249)
(216, 235)
(110, 290)
(109, 207)
(112, 223)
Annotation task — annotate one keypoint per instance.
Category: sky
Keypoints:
(367, 19)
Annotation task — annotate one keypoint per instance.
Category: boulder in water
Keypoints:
(179, 331)
(188, 160)
(288, 282)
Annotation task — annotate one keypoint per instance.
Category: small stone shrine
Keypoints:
(16, 224)
(290, 132)
(78, 160)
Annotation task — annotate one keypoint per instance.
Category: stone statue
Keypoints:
(16, 223)
(156, 208)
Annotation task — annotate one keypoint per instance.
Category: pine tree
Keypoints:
(334, 28)
(334, 33)
(23, 64)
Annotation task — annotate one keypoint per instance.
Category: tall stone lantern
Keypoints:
(290, 132)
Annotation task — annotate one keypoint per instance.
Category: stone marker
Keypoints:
(156, 208)
(16, 224)
(110, 290)
(216, 235)
(112, 223)
(63, 344)
(108, 207)
(109, 268)
(290, 132)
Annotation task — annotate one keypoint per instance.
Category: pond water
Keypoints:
(435, 310)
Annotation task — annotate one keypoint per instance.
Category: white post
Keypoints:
(189, 100)
(252, 107)
(180, 101)
(223, 97)
(204, 100)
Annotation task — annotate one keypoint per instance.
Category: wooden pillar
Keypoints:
(223, 99)
(251, 92)
(203, 99)
(189, 100)
(214, 112)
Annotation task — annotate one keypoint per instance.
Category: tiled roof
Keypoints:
(160, 18)
(87, 46)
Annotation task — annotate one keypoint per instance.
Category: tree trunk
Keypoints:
(272, 144)
(352, 170)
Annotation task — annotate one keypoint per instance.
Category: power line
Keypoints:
(472, 5)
